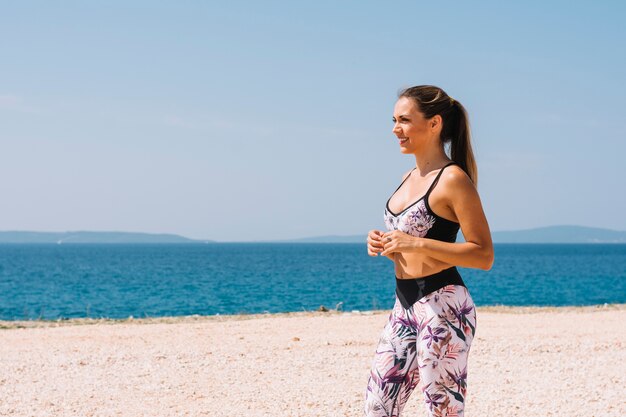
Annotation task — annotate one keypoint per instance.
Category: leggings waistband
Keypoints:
(412, 289)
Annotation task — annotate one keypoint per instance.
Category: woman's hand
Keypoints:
(375, 245)
(397, 241)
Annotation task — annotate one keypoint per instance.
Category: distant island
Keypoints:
(561, 234)
(80, 237)
(550, 234)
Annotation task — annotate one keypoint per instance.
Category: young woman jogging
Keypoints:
(427, 338)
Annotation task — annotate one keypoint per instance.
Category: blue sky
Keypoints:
(272, 120)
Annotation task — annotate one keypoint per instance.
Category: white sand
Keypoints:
(524, 362)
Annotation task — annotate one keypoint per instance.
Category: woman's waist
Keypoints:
(417, 265)
(447, 272)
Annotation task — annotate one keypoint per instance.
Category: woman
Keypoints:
(427, 338)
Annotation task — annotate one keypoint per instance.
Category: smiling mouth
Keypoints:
(403, 140)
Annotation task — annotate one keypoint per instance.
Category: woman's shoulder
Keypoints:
(455, 178)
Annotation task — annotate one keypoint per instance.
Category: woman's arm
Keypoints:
(467, 255)
(476, 252)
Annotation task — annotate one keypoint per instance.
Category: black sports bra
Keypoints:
(419, 220)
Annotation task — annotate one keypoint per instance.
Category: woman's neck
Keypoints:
(426, 162)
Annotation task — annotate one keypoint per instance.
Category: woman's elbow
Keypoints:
(483, 257)
(487, 259)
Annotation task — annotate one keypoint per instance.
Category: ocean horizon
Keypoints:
(51, 282)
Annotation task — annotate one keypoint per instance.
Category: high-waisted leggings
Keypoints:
(426, 344)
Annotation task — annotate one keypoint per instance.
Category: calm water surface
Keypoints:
(117, 281)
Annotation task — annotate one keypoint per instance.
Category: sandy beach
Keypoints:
(567, 361)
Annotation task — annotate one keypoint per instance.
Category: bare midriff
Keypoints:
(417, 265)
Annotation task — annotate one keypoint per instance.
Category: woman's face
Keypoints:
(411, 128)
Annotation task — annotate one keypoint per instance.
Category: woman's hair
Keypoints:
(433, 100)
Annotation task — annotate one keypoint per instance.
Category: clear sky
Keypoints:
(272, 120)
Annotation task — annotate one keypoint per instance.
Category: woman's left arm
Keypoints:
(475, 252)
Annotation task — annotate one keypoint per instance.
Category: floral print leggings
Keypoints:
(427, 344)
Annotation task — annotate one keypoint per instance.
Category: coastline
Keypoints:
(196, 318)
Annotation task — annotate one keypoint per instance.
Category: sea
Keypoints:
(56, 282)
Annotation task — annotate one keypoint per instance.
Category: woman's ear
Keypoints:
(435, 122)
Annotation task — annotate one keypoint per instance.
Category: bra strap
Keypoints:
(437, 177)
